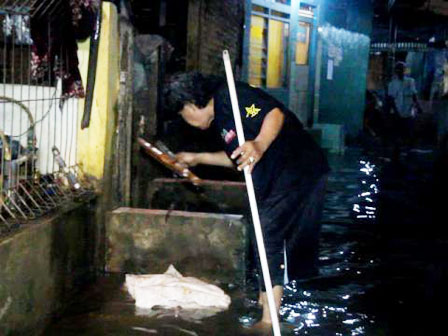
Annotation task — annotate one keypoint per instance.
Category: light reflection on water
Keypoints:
(327, 304)
(365, 206)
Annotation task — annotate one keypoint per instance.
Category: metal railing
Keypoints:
(399, 46)
(38, 124)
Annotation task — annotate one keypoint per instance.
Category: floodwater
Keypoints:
(383, 268)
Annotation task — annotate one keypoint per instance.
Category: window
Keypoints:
(306, 11)
(277, 53)
(258, 51)
(268, 50)
(280, 14)
(260, 9)
(285, 2)
(303, 43)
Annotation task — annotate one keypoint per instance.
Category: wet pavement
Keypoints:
(383, 267)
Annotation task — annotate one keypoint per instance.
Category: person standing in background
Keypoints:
(402, 96)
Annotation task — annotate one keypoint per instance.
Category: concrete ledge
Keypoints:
(41, 267)
(204, 245)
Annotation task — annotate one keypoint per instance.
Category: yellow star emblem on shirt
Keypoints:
(252, 111)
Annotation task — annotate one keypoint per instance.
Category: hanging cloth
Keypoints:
(55, 29)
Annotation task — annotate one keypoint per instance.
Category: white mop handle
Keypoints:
(252, 199)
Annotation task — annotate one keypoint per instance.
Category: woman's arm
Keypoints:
(212, 159)
(272, 124)
(252, 151)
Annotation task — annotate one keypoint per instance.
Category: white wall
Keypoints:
(57, 127)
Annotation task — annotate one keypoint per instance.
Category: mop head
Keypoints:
(172, 290)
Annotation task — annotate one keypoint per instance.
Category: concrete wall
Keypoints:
(214, 25)
(42, 266)
(345, 42)
(204, 245)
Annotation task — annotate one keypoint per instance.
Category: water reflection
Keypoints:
(320, 311)
(365, 206)
(331, 304)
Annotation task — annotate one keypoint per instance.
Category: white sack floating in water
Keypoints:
(172, 290)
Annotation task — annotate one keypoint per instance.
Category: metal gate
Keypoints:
(39, 106)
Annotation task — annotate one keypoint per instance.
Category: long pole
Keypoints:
(251, 194)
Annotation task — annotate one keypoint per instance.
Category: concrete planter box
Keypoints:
(209, 245)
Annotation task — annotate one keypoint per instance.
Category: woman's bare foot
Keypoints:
(261, 329)
(278, 293)
(264, 326)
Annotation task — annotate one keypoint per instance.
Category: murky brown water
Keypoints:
(373, 280)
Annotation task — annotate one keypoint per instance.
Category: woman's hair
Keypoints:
(189, 87)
